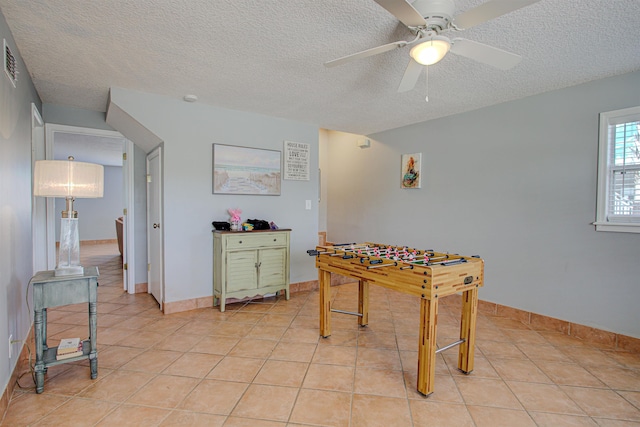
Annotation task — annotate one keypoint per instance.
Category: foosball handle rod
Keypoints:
(391, 264)
(315, 252)
(449, 262)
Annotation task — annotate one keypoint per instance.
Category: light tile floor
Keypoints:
(263, 364)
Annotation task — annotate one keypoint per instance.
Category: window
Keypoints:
(618, 205)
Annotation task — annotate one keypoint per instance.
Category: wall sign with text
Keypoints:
(296, 161)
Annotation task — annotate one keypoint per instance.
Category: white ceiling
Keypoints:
(267, 56)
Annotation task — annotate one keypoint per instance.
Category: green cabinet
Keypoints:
(250, 263)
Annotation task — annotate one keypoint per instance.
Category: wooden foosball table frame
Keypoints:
(427, 274)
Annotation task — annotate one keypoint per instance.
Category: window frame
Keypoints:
(603, 223)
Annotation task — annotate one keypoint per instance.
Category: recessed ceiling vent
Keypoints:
(10, 63)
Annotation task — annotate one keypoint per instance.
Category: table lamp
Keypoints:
(71, 180)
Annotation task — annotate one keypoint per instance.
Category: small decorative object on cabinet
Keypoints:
(247, 264)
(235, 219)
(53, 291)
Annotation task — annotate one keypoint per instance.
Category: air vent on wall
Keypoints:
(10, 63)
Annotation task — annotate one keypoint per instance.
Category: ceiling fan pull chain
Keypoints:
(426, 73)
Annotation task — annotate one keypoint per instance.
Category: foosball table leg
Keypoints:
(324, 279)
(427, 345)
(468, 330)
(363, 302)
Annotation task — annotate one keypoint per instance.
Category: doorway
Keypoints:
(42, 259)
(110, 149)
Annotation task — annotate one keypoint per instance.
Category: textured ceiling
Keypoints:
(267, 56)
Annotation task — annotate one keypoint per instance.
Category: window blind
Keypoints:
(623, 204)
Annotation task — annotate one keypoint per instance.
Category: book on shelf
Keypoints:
(68, 348)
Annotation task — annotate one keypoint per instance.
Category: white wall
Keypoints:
(514, 183)
(70, 116)
(96, 217)
(188, 132)
(325, 169)
(15, 208)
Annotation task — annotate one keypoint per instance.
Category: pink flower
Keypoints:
(235, 214)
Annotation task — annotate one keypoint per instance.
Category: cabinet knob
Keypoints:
(240, 241)
(156, 225)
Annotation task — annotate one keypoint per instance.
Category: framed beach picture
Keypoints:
(411, 176)
(245, 170)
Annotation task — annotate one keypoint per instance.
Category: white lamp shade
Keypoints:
(68, 178)
(431, 51)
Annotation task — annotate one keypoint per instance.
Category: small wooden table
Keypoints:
(428, 275)
(51, 291)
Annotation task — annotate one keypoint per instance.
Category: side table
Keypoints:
(51, 291)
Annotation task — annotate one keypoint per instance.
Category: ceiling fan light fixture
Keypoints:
(431, 51)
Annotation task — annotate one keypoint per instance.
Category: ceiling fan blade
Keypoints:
(404, 11)
(411, 76)
(365, 53)
(486, 54)
(489, 10)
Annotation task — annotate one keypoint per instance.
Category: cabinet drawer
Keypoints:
(258, 240)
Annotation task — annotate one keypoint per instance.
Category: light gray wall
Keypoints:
(188, 132)
(70, 116)
(96, 217)
(325, 168)
(514, 183)
(15, 208)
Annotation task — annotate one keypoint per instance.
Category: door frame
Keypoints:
(39, 229)
(128, 237)
(156, 152)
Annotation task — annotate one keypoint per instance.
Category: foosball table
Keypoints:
(426, 274)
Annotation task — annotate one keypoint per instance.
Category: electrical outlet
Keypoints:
(10, 345)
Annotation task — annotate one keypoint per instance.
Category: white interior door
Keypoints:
(155, 225)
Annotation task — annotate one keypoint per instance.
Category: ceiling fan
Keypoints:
(429, 20)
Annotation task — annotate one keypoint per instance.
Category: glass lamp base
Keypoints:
(76, 270)
(69, 250)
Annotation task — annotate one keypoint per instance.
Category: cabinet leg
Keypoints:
(39, 367)
(93, 365)
(39, 379)
(44, 329)
(93, 339)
